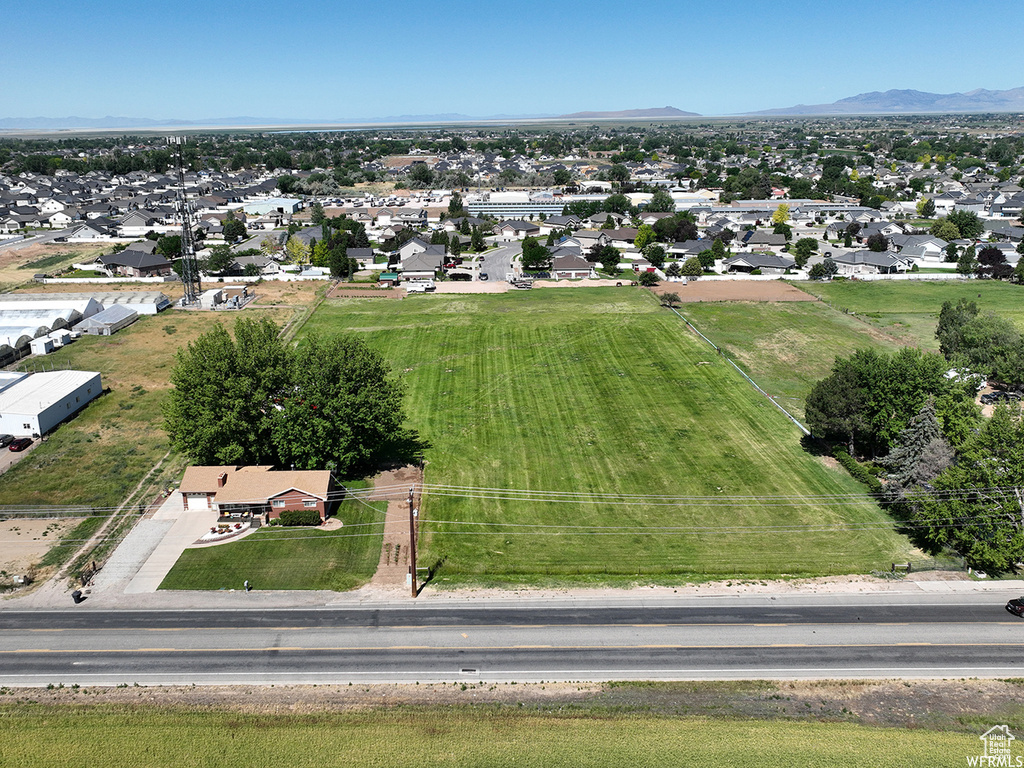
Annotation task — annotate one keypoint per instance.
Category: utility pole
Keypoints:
(412, 544)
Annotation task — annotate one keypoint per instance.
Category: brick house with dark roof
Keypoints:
(256, 491)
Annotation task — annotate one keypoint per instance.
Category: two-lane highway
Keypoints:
(714, 640)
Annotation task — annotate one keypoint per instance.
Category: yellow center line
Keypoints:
(644, 646)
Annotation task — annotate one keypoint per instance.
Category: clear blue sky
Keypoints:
(343, 59)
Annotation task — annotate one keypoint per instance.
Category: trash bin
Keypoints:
(77, 596)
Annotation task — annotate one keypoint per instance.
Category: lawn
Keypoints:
(910, 309)
(785, 346)
(291, 558)
(594, 391)
(55, 736)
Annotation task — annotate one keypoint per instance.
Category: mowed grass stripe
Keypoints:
(602, 392)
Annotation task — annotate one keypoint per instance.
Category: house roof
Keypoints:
(136, 259)
(570, 262)
(256, 487)
(760, 261)
(256, 484)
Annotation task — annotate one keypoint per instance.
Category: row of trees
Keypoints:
(327, 403)
(953, 479)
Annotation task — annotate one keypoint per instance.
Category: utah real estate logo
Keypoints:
(998, 747)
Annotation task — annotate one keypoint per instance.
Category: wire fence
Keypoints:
(753, 383)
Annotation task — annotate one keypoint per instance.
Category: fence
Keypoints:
(753, 383)
(14, 511)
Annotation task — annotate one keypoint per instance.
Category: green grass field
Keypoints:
(53, 736)
(595, 391)
(786, 346)
(910, 309)
(291, 558)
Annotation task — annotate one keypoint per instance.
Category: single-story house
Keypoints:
(425, 265)
(132, 263)
(239, 491)
(516, 229)
(767, 263)
(567, 265)
(758, 238)
(871, 263)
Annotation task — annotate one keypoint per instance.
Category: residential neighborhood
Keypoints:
(426, 214)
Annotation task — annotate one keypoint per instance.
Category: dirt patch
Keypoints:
(393, 566)
(734, 290)
(347, 291)
(24, 542)
(966, 706)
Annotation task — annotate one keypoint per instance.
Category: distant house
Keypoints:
(767, 263)
(871, 263)
(516, 230)
(424, 265)
(238, 491)
(136, 263)
(758, 238)
(568, 265)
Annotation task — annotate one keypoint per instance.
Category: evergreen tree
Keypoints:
(920, 452)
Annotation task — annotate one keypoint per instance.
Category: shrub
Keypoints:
(300, 517)
(858, 471)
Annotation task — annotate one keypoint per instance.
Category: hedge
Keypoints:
(300, 517)
(858, 471)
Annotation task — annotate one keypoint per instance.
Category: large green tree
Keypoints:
(223, 390)
(330, 403)
(660, 202)
(974, 509)
(343, 405)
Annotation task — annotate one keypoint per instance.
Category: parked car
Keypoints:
(20, 444)
(1016, 606)
(5, 440)
(483, 276)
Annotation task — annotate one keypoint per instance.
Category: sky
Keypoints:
(332, 61)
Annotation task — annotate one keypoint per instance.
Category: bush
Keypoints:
(300, 517)
(858, 471)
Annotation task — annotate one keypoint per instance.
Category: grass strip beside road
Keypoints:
(55, 736)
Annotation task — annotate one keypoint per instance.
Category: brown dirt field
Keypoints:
(734, 290)
(24, 542)
(13, 260)
(367, 291)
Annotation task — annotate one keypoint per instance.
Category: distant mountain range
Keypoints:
(907, 101)
(628, 114)
(892, 102)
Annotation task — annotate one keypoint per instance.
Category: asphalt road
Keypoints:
(497, 264)
(915, 638)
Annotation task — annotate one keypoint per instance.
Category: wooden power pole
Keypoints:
(412, 543)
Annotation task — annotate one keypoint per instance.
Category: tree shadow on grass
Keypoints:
(406, 448)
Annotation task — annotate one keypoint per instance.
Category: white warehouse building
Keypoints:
(33, 404)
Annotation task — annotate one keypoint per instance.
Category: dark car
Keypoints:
(20, 444)
(483, 276)
(1016, 606)
(5, 440)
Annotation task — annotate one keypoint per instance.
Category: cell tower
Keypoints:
(189, 263)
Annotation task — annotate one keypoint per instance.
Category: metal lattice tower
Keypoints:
(189, 263)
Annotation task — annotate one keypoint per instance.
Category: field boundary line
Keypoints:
(753, 383)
